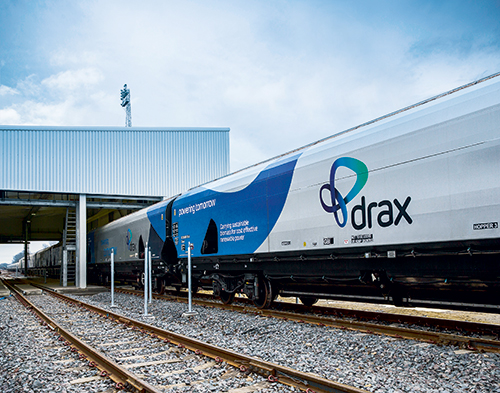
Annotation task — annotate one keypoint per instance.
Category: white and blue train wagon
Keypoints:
(405, 205)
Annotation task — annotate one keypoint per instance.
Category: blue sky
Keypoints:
(280, 74)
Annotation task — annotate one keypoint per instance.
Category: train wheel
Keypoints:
(308, 300)
(162, 287)
(157, 283)
(397, 296)
(226, 297)
(195, 286)
(265, 294)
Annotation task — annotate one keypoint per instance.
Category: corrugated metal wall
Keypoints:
(112, 161)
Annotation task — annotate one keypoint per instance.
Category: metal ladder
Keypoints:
(69, 246)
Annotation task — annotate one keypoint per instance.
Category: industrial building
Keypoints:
(58, 182)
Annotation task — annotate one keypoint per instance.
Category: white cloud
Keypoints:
(72, 97)
(36, 113)
(5, 90)
(71, 80)
(244, 153)
(68, 111)
(10, 116)
(65, 57)
(29, 86)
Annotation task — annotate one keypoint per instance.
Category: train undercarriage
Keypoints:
(460, 277)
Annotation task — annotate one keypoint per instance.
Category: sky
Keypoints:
(280, 74)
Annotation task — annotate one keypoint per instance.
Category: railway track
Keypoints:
(364, 321)
(358, 314)
(176, 356)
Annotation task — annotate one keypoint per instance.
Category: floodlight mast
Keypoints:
(125, 96)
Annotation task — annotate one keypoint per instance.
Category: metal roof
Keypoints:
(131, 161)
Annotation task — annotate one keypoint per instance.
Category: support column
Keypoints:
(81, 243)
(26, 253)
(26, 242)
(77, 247)
(65, 267)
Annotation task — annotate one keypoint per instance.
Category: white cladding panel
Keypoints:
(113, 161)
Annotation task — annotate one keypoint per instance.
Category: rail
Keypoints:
(438, 338)
(273, 372)
(96, 359)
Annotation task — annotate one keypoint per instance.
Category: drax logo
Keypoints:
(130, 245)
(338, 202)
(362, 214)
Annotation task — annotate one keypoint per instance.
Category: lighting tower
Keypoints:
(125, 96)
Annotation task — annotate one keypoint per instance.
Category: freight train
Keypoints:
(47, 261)
(404, 206)
(20, 265)
(15, 266)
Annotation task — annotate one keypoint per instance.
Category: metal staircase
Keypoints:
(69, 235)
(69, 246)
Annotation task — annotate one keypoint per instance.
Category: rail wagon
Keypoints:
(405, 206)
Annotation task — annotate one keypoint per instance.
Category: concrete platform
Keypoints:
(70, 289)
(3, 290)
(27, 289)
(90, 290)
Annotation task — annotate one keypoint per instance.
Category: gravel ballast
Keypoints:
(32, 360)
(370, 362)
(164, 366)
